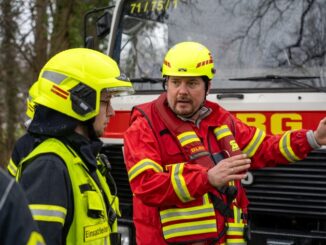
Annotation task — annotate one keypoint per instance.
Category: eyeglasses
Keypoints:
(107, 104)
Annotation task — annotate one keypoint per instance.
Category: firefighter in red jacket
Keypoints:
(186, 156)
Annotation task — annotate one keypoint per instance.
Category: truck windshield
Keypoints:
(247, 39)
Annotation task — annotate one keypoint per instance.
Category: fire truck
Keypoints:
(270, 59)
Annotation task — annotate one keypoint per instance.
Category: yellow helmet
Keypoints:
(71, 82)
(32, 94)
(188, 59)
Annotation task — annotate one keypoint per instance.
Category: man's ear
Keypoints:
(209, 87)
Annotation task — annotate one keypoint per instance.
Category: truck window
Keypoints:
(248, 39)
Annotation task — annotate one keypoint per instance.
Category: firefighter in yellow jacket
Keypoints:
(64, 177)
(26, 143)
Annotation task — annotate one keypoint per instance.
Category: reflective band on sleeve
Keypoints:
(179, 183)
(48, 213)
(222, 132)
(12, 168)
(142, 166)
(286, 149)
(187, 138)
(175, 214)
(190, 228)
(255, 142)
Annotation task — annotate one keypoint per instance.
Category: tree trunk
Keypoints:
(9, 75)
(41, 37)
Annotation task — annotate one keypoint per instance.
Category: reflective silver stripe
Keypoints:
(179, 183)
(6, 193)
(54, 76)
(48, 213)
(177, 178)
(186, 213)
(142, 166)
(189, 228)
(187, 137)
(286, 149)
(222, 132)
(235, 229)
(252, 147)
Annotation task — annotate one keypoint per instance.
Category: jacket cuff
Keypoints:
(312, 140)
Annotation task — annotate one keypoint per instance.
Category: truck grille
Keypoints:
(298, 189)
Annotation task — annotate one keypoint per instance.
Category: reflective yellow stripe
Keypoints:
(179, 183)
(169, 166)
(189, 228)
(174, 214)
(143, 165)
(187, 138)
(12, 168)
(235, 229)
(35, 239)
(222, 132)
(49, 213)
(255, 142)
(205, 199)
(240, 241)
(237, 214)
(286, 149)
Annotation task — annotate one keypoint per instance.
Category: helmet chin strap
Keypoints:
(90, 128)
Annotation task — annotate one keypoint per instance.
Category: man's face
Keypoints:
(105, 113)
(185, 95)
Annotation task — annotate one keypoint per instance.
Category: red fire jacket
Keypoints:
(151, 154)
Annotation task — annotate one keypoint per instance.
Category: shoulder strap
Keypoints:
(48, 146)
(188, 141)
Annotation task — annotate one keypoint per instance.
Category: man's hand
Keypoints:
(320, 132)
(232, 168)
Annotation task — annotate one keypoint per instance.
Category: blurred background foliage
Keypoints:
(31, 31)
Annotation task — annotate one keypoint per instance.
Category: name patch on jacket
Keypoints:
(196, 149)
(94, 232)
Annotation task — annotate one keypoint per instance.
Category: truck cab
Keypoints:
(270, 61)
